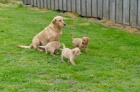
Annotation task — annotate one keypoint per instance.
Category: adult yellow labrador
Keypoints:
(51, 33)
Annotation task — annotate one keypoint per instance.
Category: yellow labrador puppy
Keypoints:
(70, 54)
(52, 47)
(81, 43)
(51, 33)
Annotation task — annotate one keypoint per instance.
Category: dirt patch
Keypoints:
(83, 24)
(116, 25)
(72, 15)
(3, 18)
(132, 30)
(37, 9)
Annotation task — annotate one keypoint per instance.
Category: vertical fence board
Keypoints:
(89, 5)
(38, 4)
(100, 8)
(138, 18)
(32, 2)
(126, 9)
(73, 6)
(24, 2)
(60, 5)
(68, 5)
(45, 3)
(133, 13)
(35, 3)
(78, 7)
(64, 5)
(52, 4)
(112, 10)
(56, 4)
(49, 4)
(41, 3)
(106, 9)
(94, 8)
(21, 0)
(119, 11)
(83, 7)
(29, 2)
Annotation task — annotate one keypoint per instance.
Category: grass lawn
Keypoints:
(112, 64)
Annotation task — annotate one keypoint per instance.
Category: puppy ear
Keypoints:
(54, 21)
(73, 51)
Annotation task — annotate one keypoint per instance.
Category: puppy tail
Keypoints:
(63, 45)
(43, 47)
(25, 47)
(72, 37)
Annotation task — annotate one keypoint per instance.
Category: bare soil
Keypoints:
(107, 23)
(116, 25)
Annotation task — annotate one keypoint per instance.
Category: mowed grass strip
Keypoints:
(112, 64)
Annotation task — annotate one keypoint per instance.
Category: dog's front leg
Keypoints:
(72, 61)
(62, 58)
(86, 49)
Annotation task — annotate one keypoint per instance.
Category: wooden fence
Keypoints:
(125, 12)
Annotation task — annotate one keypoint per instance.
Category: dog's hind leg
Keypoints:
(36, 43)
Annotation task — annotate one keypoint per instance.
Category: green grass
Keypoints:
(112, 64)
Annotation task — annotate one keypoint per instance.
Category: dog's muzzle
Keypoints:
(64, 24)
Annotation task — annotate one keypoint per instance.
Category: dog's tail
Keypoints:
(63, 45)
(43, 47)
(25, 47)
(72, 37)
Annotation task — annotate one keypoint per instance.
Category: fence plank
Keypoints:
(126, 13)
(78, 7)
(100, 8)
(94, 8)
(69, 5)
(49, 4)
(52, 4)
(38, 4)
(24, 2)
(56, 4)
(112, 10)
(89, 10)
(133, 13)
(64, 5)
(83, 7)
(29, 2)
(32, 2)
(45, 3)
(60, 5)
(35, 3)
(106, 9)
(41, 3)
(119, 11)
(138, 18)
(73, 6)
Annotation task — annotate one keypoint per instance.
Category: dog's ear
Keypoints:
(73, 51)
(54, 21)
